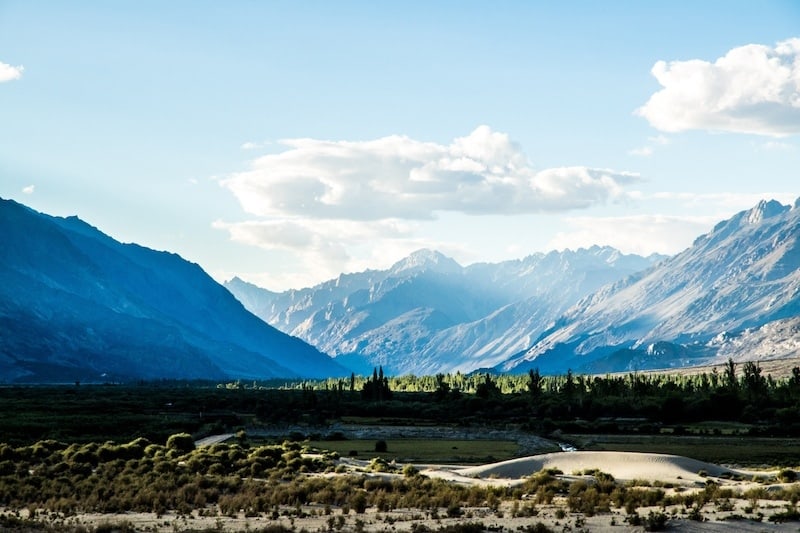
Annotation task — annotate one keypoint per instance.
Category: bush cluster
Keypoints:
(147, 477)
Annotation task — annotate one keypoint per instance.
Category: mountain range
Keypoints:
(428, 314)
(76, 305)
(732, 294)
(735, 293)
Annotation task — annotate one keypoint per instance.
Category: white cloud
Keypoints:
(752, 89)
(344, 206)
(29, 189)
(327, 248)
(252, 145)
(644, 151)
(661, 233)
(398, 177)
(648, 149)
(639, 234)
(8, 72)
(323, 245)
(724, 204)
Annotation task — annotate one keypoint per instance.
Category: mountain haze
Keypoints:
(734, 293)
(77, 305)
(428, 314)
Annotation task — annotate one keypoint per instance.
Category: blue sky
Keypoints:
(286, 142)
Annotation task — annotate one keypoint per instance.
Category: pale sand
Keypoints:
(623, 466)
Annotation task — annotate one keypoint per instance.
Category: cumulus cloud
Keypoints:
(639, 234)
(8, 72)
(29, 189)
(398, 177)
(751, 89)
(322, 243)
(344, 206)
(328, 248)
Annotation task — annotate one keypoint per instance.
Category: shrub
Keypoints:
(181, 442)
(655, 521)
(381, 446)
(410, 471)
(358, 502)
(454, 511)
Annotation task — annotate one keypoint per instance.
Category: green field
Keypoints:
(743, 451)
(426, 450)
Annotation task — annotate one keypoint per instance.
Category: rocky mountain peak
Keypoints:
(765, 209)
(426, 259)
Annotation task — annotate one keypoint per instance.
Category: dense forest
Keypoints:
(735, 394)
(541, 404)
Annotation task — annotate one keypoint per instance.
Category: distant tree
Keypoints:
(377, 387)
(730, 376)
(755, 385)
(487, 388)
(534, 383)
(442, 388)
(568, 388)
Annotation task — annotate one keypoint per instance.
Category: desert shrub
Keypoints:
(454, 510)
(787, 475)
(695, 514)
(180, 442)
(358, 502)
(410, 471)
(538, 527)
(634, 519)
(379, 465)
(790, 514)
(655, 521)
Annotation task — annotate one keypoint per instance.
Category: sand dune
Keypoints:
(624, 466)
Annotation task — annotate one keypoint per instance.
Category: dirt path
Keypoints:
(213, 439)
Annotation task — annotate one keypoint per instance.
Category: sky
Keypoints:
(289, 142)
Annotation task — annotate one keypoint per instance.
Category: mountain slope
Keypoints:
(428, 314)
(743, 275)
(76, 304)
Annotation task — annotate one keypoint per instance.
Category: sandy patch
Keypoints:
(623, 466)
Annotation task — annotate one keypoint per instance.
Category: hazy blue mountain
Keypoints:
(429, 314)
(734, 293)
(77, 305)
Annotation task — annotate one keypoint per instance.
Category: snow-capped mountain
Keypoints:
(734, 293)
(77, 305)
(429, 314)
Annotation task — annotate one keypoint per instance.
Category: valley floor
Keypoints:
(721, 499)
